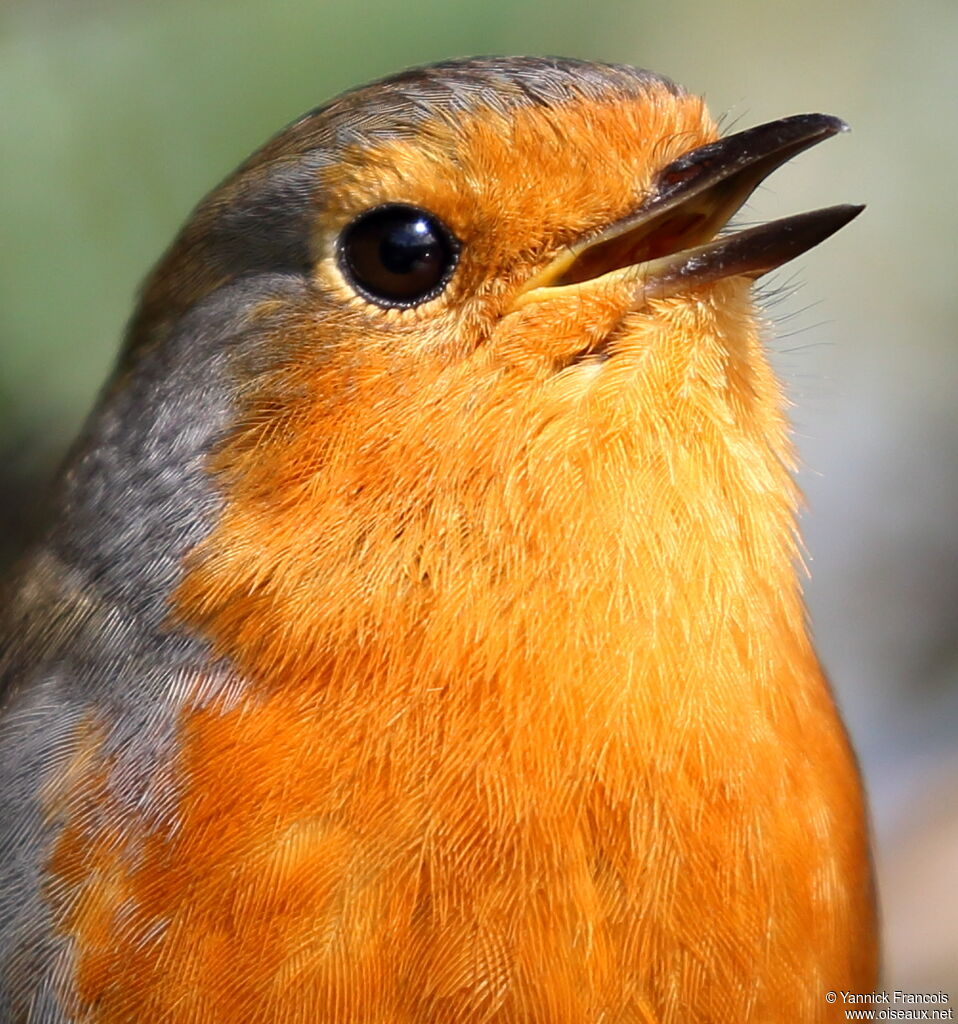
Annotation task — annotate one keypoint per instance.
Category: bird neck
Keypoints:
(635, 544)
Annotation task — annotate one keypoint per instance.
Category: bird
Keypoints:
(415, 631)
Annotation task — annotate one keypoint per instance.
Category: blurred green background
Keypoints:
(117, 117)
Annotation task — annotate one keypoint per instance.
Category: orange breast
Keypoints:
(527, 727)
(342, 855)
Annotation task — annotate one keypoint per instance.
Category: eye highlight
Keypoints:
(398, 255)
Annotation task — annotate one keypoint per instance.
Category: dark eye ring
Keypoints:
(398, 255)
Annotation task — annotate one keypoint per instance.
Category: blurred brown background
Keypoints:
(117, 117)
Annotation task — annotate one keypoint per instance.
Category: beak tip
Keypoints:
(832, 125)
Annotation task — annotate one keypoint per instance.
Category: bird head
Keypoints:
(480, 328)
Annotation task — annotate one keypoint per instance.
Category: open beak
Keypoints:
(669, 243)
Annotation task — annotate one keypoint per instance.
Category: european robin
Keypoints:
(417, 634)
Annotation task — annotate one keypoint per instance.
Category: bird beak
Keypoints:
(669, 243)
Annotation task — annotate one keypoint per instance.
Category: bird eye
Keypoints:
(398, 255)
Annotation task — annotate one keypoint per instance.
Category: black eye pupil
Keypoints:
(398, 255)
(410, 247)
